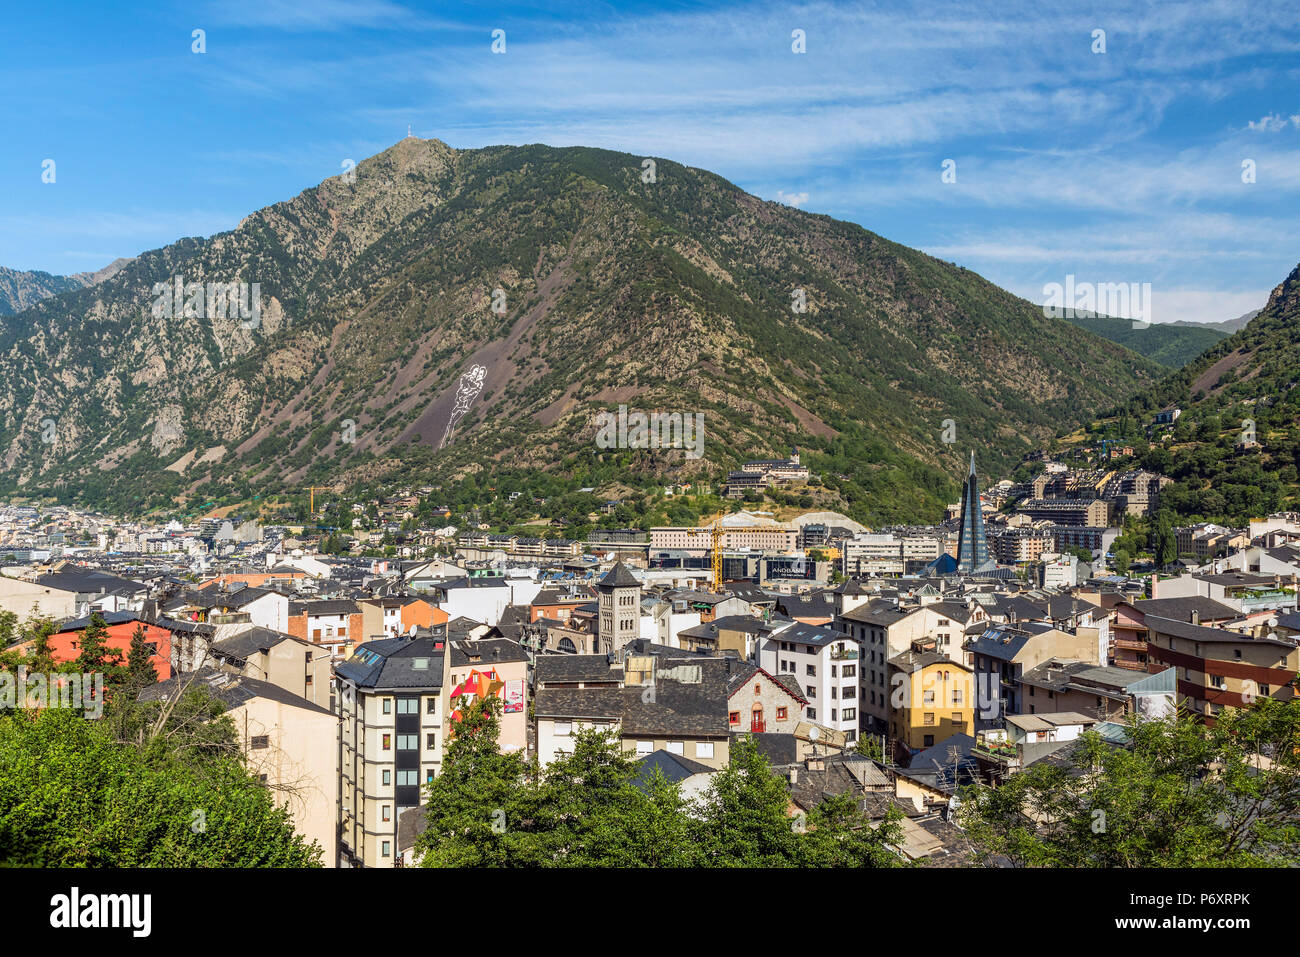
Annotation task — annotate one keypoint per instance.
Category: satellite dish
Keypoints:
(411, 631)
(1272, 623)
(813, 734)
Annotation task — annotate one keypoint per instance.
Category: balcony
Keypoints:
(757, 726)
(844, 654)
(1130, 644)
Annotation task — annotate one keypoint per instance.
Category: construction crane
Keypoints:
(715, 530)
(312, 490)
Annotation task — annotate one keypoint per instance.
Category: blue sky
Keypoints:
(1122, 166)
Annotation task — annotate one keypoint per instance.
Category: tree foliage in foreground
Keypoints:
(584, 810)
(1182, 795)
(137, 788)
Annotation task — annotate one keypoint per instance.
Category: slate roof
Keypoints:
(742, 673)
(671, 707)
(990, 642)
(231, 690)
(411, 824)
(674, 767)
(1182, 608)
(390, 663)
(109, 617)
(251, 642)
(619, 577)
(489, 651)
(818, 635)
(1182, 629)
(325, 607)
(571, 668)
(880, 612)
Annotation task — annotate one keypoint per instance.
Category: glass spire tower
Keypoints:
(972, 543)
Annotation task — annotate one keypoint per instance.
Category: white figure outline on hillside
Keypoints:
(471, 384)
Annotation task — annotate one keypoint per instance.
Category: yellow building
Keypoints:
(931, 698)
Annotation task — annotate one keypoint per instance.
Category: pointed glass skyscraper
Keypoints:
(972, 543)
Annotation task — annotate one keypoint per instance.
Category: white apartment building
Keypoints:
(392, 705)
(825, 663)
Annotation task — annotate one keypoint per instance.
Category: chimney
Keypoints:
(1153, 585)
(1195, 617)
(794, 775)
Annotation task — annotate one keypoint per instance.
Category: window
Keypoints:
(262, 778)
(929, 740)
(431, 741)
(386, 812)
(812, 691)
(408, 706)
(386, 849)
(428, 776)
(850, 671)
(563, 729)
(758, 688)
(408, 742)
(645, 747)
(1264, 690)
(676, 747)
(388, 705)
(387, 777)
(704, 749)
(812, 669)
(780, 714)
(734, 717)
(431, 706)
(956, 717)
(407, 778)
(1218, 682)
(260, 741)
(956, 695)
(812, 714)
(849, 714)
(927, 697)
(929, 718)
(388, 742)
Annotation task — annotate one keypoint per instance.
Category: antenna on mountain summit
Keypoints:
(409, 134)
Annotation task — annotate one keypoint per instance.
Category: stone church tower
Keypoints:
(619, 606)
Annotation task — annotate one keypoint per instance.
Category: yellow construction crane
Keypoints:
(716, 530)
(312, 490)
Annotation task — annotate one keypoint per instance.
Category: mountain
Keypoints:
(1235, 447)
(544, 286)
(1228, 326)
(1172, 344)
(20, 290)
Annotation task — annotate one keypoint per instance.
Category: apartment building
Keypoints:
(824, 662)
(778, 536)
(297, 666)
(932, 698)
(1063, 511)
(1004, 652)
(336, 625)
(1218, 668)
(288, 742)
(392, 706)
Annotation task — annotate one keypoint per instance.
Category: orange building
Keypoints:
(65, 645)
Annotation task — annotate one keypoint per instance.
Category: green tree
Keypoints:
(483, 805)
(140, 670)
(73, 796)
(1179, 795)
(1122, 562)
